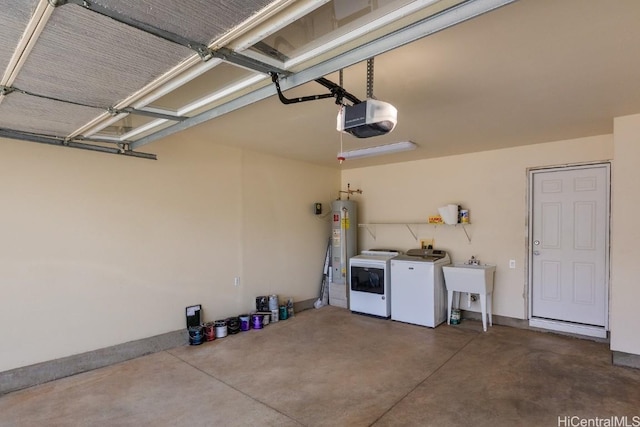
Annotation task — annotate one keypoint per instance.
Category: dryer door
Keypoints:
(367, 279)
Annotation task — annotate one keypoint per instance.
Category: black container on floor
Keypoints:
(233, 325)
(262, 303)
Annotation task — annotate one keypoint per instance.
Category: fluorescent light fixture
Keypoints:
(378, 150)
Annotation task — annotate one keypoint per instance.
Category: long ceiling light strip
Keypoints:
(378, 150)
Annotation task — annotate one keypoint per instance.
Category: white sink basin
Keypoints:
(475, 279)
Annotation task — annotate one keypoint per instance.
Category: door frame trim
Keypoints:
(558, 325)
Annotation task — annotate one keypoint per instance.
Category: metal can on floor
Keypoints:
(209, 331)
(273, 302)
(284, 312)
(221, 328)
(233, 325)
(256, 321)
(455, 316)
(275, 314)
(195, 335)
(244, 322)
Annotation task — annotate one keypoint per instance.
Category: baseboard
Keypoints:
(27, 376)
(496, 319)
(303, 305)
(628, 360)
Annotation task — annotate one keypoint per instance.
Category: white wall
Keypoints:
(99, 250)
(491, 184)
(625, 266)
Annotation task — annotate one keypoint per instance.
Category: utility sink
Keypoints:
(474, 279)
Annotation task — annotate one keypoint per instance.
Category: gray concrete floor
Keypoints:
(328, 367)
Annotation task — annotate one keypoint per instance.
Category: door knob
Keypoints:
(536, 242)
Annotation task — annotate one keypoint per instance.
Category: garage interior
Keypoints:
(149, 165)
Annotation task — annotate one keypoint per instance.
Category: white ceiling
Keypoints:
(530, 72)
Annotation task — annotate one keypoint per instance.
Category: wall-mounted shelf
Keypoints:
(411, 226)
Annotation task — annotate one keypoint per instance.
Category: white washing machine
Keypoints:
(369, 282)
(418, 294)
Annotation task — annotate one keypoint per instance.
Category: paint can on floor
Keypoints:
(273, 302)
(195, 335)
(209, 331)
(274, 315)
(290, 312)
(221, 328)
(256, 321)
(455, 316)
(244, 322)
(284, 313)
(265, 319)
(233, 325)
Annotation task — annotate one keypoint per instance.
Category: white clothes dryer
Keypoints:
(369, 283)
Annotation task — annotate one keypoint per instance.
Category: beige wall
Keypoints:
(491, 184)
(99, 250)
(625, 266)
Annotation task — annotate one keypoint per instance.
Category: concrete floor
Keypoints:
(328, 367)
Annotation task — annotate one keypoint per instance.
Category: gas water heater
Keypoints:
(344, 238)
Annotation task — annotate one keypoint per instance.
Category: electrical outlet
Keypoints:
(512, 263)
(236, 281)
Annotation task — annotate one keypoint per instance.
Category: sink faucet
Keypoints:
(473, 261)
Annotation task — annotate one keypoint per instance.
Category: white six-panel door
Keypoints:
(569, 245)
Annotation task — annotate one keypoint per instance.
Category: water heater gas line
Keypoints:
(349, 192)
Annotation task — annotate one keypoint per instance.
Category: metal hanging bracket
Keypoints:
(6, 90)
(336, 91)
